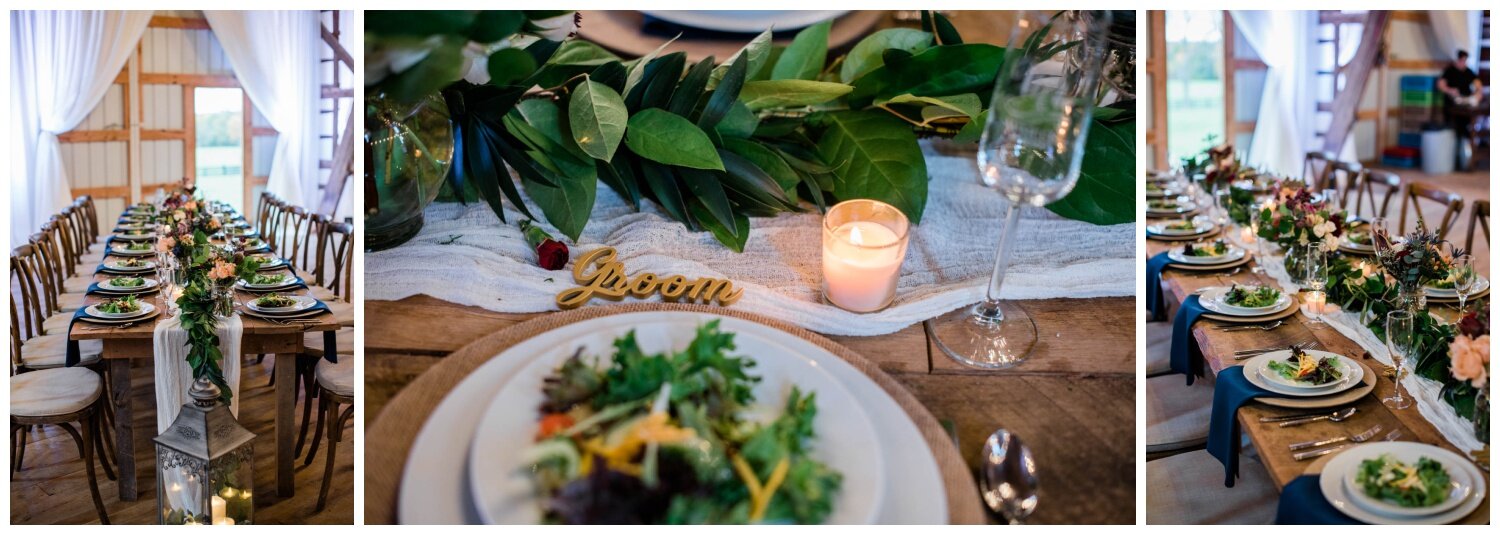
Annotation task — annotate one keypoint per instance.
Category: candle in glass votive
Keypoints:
(1247, 235)
(1317, 302)
(864, 243)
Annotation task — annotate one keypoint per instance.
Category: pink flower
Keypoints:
(165, 244)
(222, 270)
(1470, 359)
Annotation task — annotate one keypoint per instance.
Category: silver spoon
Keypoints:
(1337, 416)
(1008, 481)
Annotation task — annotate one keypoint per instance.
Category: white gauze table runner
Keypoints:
(173, 374)
(1427, 393)
(488, 263)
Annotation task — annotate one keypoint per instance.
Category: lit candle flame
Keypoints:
(855, 237)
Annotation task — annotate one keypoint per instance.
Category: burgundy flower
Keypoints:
(551, 254)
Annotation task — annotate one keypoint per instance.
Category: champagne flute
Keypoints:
(1463, 278)
(1030, 152)
(1398, 339)
(1315, 277)
(1260, 247)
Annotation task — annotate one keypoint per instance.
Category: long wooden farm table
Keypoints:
(1270, 440)
(121, 345)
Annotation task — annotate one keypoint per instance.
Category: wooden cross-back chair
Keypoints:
(1453, 205)
(262, 213)
(88, 219)
(1479, 219)
(49, 264)
(1345, 177)
(1316, 166)
(341, 244)
(25, 271)
(1389, 186)
(296, 237)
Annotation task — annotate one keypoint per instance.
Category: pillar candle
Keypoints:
(216, 508)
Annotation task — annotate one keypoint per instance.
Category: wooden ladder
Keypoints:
(1349, 79)
(342, 165)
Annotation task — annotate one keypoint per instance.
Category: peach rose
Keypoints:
(1470, 359)
(222, 270)
(187, 239)
(165, 244)
(191, 206)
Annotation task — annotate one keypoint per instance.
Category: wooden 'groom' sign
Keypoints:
(607, 279)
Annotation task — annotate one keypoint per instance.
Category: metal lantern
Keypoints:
(204, 464)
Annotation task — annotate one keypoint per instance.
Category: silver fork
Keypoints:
(1263, 327)
(1357, 439)
(1251, 353)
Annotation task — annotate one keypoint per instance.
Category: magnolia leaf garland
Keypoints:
(763, 132)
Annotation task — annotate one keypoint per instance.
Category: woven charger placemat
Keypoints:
(389, 438)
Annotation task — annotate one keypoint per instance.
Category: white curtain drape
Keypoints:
(1454, 30)
(274, 55)
(62, 63)
(1284, 127)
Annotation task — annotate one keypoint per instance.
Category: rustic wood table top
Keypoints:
(1073, 401)
(1270, 440)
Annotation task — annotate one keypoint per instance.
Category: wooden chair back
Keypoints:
(340, 240)
(1453, 205)
(51, 262)
(1479, 218)
(67, 241)
(1388, 184)
(296, 237)
(1344, 177)
(89, 218)
(26, 275)
(262, 208)
(1315, 169)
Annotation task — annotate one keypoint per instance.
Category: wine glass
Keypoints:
(1030, 152)
(1260, 247)
(1463, 278)
(1221, 205)
(1398, 339)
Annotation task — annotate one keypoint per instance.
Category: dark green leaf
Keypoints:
(418, 23)
(611, 74)
(733, 238)
(443, 64)
(876, 157)
(935, 72)
(742, 176)
(566, 206)
(971, 132)
(620, 177)
(772, 56)
(581, 52)
(790, 93)
(740, 122)
(494, 25)
(638, 68)
(661, 136)
(486, 172)
(804, 58)
(510, 65)
(946, 33)
(660, 84)
(708, 190)
(690, 90)
(726, 93)
(775, 126)
(767, 160)
(1105, 194)
(665, 190)
(866, 56)
(596, 115)
(755, 53)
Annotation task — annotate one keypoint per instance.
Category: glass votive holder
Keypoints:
(864, 243)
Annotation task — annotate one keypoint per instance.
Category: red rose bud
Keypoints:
(551, 254)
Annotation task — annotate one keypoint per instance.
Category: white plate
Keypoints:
(1459, 488)
(303, 303)
(499, 475)
(136, 237)
(1350, 374)
(1235, 254)
(1161, 229)
(150, 265)
(121, 251)
(434, 487)
(287, 280)
(1332, 481)
(147, 285)
(1480, 285)
(1183, 205)
(146, 308)
(745, 21)
(1213, 300)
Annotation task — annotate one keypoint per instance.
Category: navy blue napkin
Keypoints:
(1302, 502)
(1154, 297)
(74, 354)
(1186, 356)
(1231, 391)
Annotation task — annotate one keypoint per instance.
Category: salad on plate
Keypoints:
(1206, 249)
(138, 246)
(1388, 479)
(1304, 368)
(668, 438)
(275, 300)
(120, 305)
(127, 282)
(266, 280)
(1252, 296)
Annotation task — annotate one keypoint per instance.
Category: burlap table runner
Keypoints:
(389, 438)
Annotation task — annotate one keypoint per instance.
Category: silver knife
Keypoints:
(1318, 453)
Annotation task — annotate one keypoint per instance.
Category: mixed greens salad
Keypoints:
(275, 300)
(266, 280)
(1305, 368)
(662, 439)
(1214, 248)
(1162, 204)
(1359, 237)
(128, 263)
(1181, 224)
(1252, 296)
(138, 246)
(120, 305)
(1388, 479)
(127, 282)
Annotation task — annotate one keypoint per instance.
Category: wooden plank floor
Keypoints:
(53, 489)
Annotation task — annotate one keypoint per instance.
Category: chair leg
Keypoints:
(77, 439)
(262, 358)
(98, 432)
(21, 448)
(310, 390)
(88, 460)
(15, 447)
(317, 433)
(335, 432)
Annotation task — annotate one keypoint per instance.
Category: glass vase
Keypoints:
(1410, 297)
(408, 150)
(223, 297)
(1481, 416)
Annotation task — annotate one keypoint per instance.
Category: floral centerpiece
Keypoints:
(1469, 371)
(207, 272)
(1294, 218)
(1413, 261)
